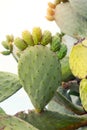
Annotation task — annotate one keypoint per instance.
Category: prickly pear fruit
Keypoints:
(46, 37)
(9, 84)
(20, 44)
(56, 43)
(36, 34)
(40, 73)
(5, 44)
(70, 22)
(78, 59)
(62, 52)
(6, 52)
(80, 6)
(27, 37)
(9, 38)
(83, 93)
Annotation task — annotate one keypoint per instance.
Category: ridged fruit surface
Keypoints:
(69, 21)
(78, 59)
(40, 73)
(27, 37)
(56, 43)
(46, 37)
(62, 51)
(80, 6)
(20, 44)
(36, 35)
(83, 93)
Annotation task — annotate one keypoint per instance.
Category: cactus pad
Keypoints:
(80, 6)
(83, 93)
(78, 59)
(13, 123)
(40, 73)
(49, 120)
(69, 21)
(9, 84)
(66, 72)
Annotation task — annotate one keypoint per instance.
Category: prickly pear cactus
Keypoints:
(40, 74)
(42, 70)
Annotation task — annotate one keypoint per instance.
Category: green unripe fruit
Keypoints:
(62, 52)
(6, 52)
(20, 44)
(27, 37)
(83, 93)
(36, 34)
(9, 38)
(5, 44)
(40, 73)
(46, 37)
(56, 43)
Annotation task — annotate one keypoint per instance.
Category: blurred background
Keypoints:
(16, 16)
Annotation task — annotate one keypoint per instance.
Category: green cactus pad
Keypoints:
(80, 6)
(40, 73)
(49, 120)
(70, 22)
(83, 93)
(78, 59)
(66, 72)
(13, 123)
(9, 84)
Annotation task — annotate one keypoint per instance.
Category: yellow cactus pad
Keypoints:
(83, 93)
(78, 59)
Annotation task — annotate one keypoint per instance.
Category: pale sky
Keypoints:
(16, 16)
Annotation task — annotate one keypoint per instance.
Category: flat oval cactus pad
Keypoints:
(40, 74)
(78, 59)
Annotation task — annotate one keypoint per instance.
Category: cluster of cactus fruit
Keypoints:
(37, 37)
(54, 81)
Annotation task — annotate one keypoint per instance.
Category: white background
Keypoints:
(16, 16)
